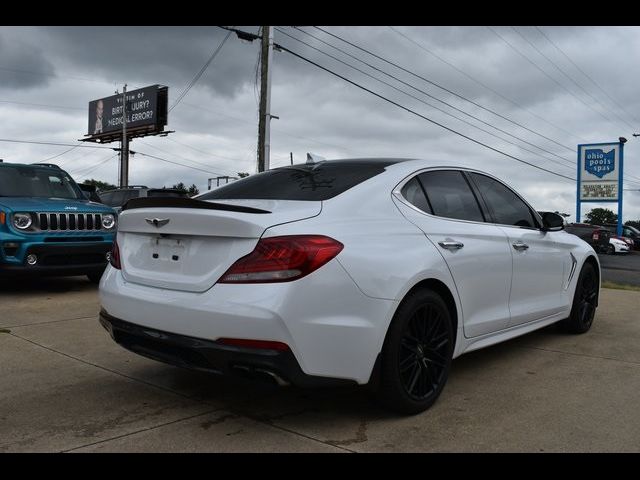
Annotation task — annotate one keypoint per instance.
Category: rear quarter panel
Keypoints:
(384, 254)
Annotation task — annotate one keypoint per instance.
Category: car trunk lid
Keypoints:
(186, 244)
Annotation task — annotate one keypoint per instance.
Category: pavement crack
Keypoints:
(52, 321)
(192, 398)
(599, 357)
(141, 430)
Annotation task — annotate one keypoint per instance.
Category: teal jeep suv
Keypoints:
(48, 226)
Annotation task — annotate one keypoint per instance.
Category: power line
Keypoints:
(567, 162)
(420, 115)
(86, 170)
(52, 143)
(176, 163)
(183, 158)
(513, 102)
(515, 49)
(201, 72)
(585, 73)
(273, 129)
(204, 152)
(60, 154)
(443, 88)
(557, 67)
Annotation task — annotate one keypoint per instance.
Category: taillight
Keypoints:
(259, 344)
(114, 257)
(283, 259)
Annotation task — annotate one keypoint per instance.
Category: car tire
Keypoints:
(611, 249)
(94, 277)
(416, 355)
(585, 299)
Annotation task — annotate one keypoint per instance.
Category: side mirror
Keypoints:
(552, 222)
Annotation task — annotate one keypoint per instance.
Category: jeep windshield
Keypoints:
(28, 181)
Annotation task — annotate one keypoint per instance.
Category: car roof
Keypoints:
(48, 166)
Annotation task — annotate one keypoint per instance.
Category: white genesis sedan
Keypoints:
(364, 271)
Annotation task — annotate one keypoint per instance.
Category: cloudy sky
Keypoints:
(550, 88)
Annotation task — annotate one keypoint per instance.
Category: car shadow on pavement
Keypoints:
(46, 284)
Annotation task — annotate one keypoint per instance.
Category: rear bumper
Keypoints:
(212, 357)
(331, 327)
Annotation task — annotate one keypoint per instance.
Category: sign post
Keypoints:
(600, 167)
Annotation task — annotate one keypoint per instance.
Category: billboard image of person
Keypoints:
(99, 110)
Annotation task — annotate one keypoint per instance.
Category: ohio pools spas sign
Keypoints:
(598, 171)
(598, 162)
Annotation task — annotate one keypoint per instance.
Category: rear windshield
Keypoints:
(313, 182)
(27, 181)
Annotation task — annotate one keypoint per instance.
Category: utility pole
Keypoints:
(124, 151)
(291, 154)
(264, 134)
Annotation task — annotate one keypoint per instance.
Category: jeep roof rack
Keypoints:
(51, 165)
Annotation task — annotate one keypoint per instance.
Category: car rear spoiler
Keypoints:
(176, 202)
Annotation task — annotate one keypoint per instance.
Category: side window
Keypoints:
(414, 194)
(450, 195)
(507, 208)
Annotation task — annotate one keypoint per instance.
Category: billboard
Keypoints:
(145, 108)
(599, 167)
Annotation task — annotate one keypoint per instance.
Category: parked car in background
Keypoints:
(360, 271)
(118, 197)
(631, 234)
(595, 235)
(617, 245)
(48, 226)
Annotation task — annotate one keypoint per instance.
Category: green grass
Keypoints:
(620, 286)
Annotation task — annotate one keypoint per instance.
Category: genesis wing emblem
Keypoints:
(157, 222)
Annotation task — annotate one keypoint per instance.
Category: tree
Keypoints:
(601, 216)
(100, 185)
(633, 223)
(243, 174)
(191, 191)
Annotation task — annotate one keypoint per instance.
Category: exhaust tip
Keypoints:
(256, 373)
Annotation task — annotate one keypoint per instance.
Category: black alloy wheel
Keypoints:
(417, 353)
(422, 358)
(611, 249)
(585, 301)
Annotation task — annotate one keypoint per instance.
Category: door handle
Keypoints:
(520, 246)
(451, 245)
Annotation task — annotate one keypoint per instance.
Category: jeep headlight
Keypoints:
(108, 221)
(22, 221)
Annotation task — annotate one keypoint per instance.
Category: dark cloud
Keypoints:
(144, 55)
(22, 66)
(216, 122)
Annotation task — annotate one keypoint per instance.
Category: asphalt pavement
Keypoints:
(67, 387)
(621, 268)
